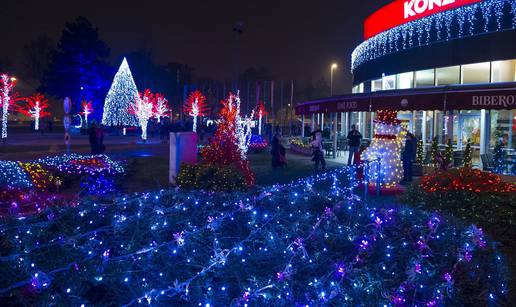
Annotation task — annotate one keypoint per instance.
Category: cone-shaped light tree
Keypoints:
(385, 149)
(195, 106)
(142, 107)
(7, 100)
(120, 96)
(35, 107)
(161, 108)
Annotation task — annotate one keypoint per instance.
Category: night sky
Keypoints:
(292, 39)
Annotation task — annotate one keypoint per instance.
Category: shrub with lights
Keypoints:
(308, 243)
(208, 177)
(258, 143)
(230, 143)
(385, 149)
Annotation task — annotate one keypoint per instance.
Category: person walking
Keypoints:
(317, 151)
(354, 138)
(277, 152)
(408, 156)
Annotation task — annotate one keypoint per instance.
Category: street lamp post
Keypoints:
(333, 67)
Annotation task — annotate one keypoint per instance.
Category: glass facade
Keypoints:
(447, 75)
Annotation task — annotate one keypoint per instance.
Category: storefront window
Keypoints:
(476, 73)
(503, 71)
(376, 85)
(425, 78)
(389, 82)
(448, 75)
(405, 80)
(502, 127)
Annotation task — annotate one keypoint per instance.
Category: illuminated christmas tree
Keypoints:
(120, 96)
(434, 151)
(385, 149)
(230, 142)
(195, 106)
(467, 154)
(260, 112)
(161, 108)
(498, 158)
(420, 152)
(142, 107)
(35, 108)
(7, 100)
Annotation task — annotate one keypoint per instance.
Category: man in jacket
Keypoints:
(354, 138)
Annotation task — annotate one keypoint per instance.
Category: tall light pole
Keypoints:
(333, 67)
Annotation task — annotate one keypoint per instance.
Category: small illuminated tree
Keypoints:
(35, 107)
(260, 112)
(195, 106)
(7, 100)
(161, 108)
(87, 109)
(142, 107)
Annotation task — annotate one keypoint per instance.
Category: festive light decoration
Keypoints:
(434, 151)
(297, 146)
(498, 158)
(75, 164)
(35, 107)
(87, 109)
(231, 141)
(260, 112)
(420, 152)
(12, 175)
(466, 179)
(143, 106)
(258, 143)
(308, 243)
(195, 106)
(466, 21)
(161, 108)
(385, 149)
(7, 100)
(119, 97)
(467, 154)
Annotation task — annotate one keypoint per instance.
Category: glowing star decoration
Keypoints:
(385, 149)
(7, 100)
(161, 108)
(142, 107)
(35, 108)
(195, 106)
(260, 112)
(87, 109)
(120, 96)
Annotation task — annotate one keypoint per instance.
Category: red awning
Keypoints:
(445, 98)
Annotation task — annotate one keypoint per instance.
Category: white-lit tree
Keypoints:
(87, 109)
(7, 99)
(142, 106)
(385, 149)
(161, 108)
(260, 112)
(243, 125)
(120, 96)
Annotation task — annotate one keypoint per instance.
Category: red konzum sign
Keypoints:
(402, 11)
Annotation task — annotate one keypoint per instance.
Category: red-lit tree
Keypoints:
(195, 106)
(225, 148)
(260, 112)
(35, 107)
(87, 109)
(161, 108)
(143, 107)
(7, 100)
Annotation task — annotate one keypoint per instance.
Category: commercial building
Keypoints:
(447, 66)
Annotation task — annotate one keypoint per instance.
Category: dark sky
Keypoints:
(292, 39)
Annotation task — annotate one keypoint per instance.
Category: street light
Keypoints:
(333, 67)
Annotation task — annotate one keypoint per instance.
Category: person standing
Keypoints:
(92, 134)
(277, 152)
(354, 138)
(317, 153)
(408, 156)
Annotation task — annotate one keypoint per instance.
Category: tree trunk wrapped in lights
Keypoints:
(385, 149)
(7, 100)
(35, 108)
(260, 112)
(161, 108)
(195, 106)
(142, 107)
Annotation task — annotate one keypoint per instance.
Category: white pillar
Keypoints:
(346, 130)
(313, 122)
(322, 121)
(343, 123)
(303, 125)
(335, 119)
(372, 125)
(423, 129)
(483, 137)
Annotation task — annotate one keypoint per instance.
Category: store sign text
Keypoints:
(348, 105)
(415, 7)
(507, 101)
